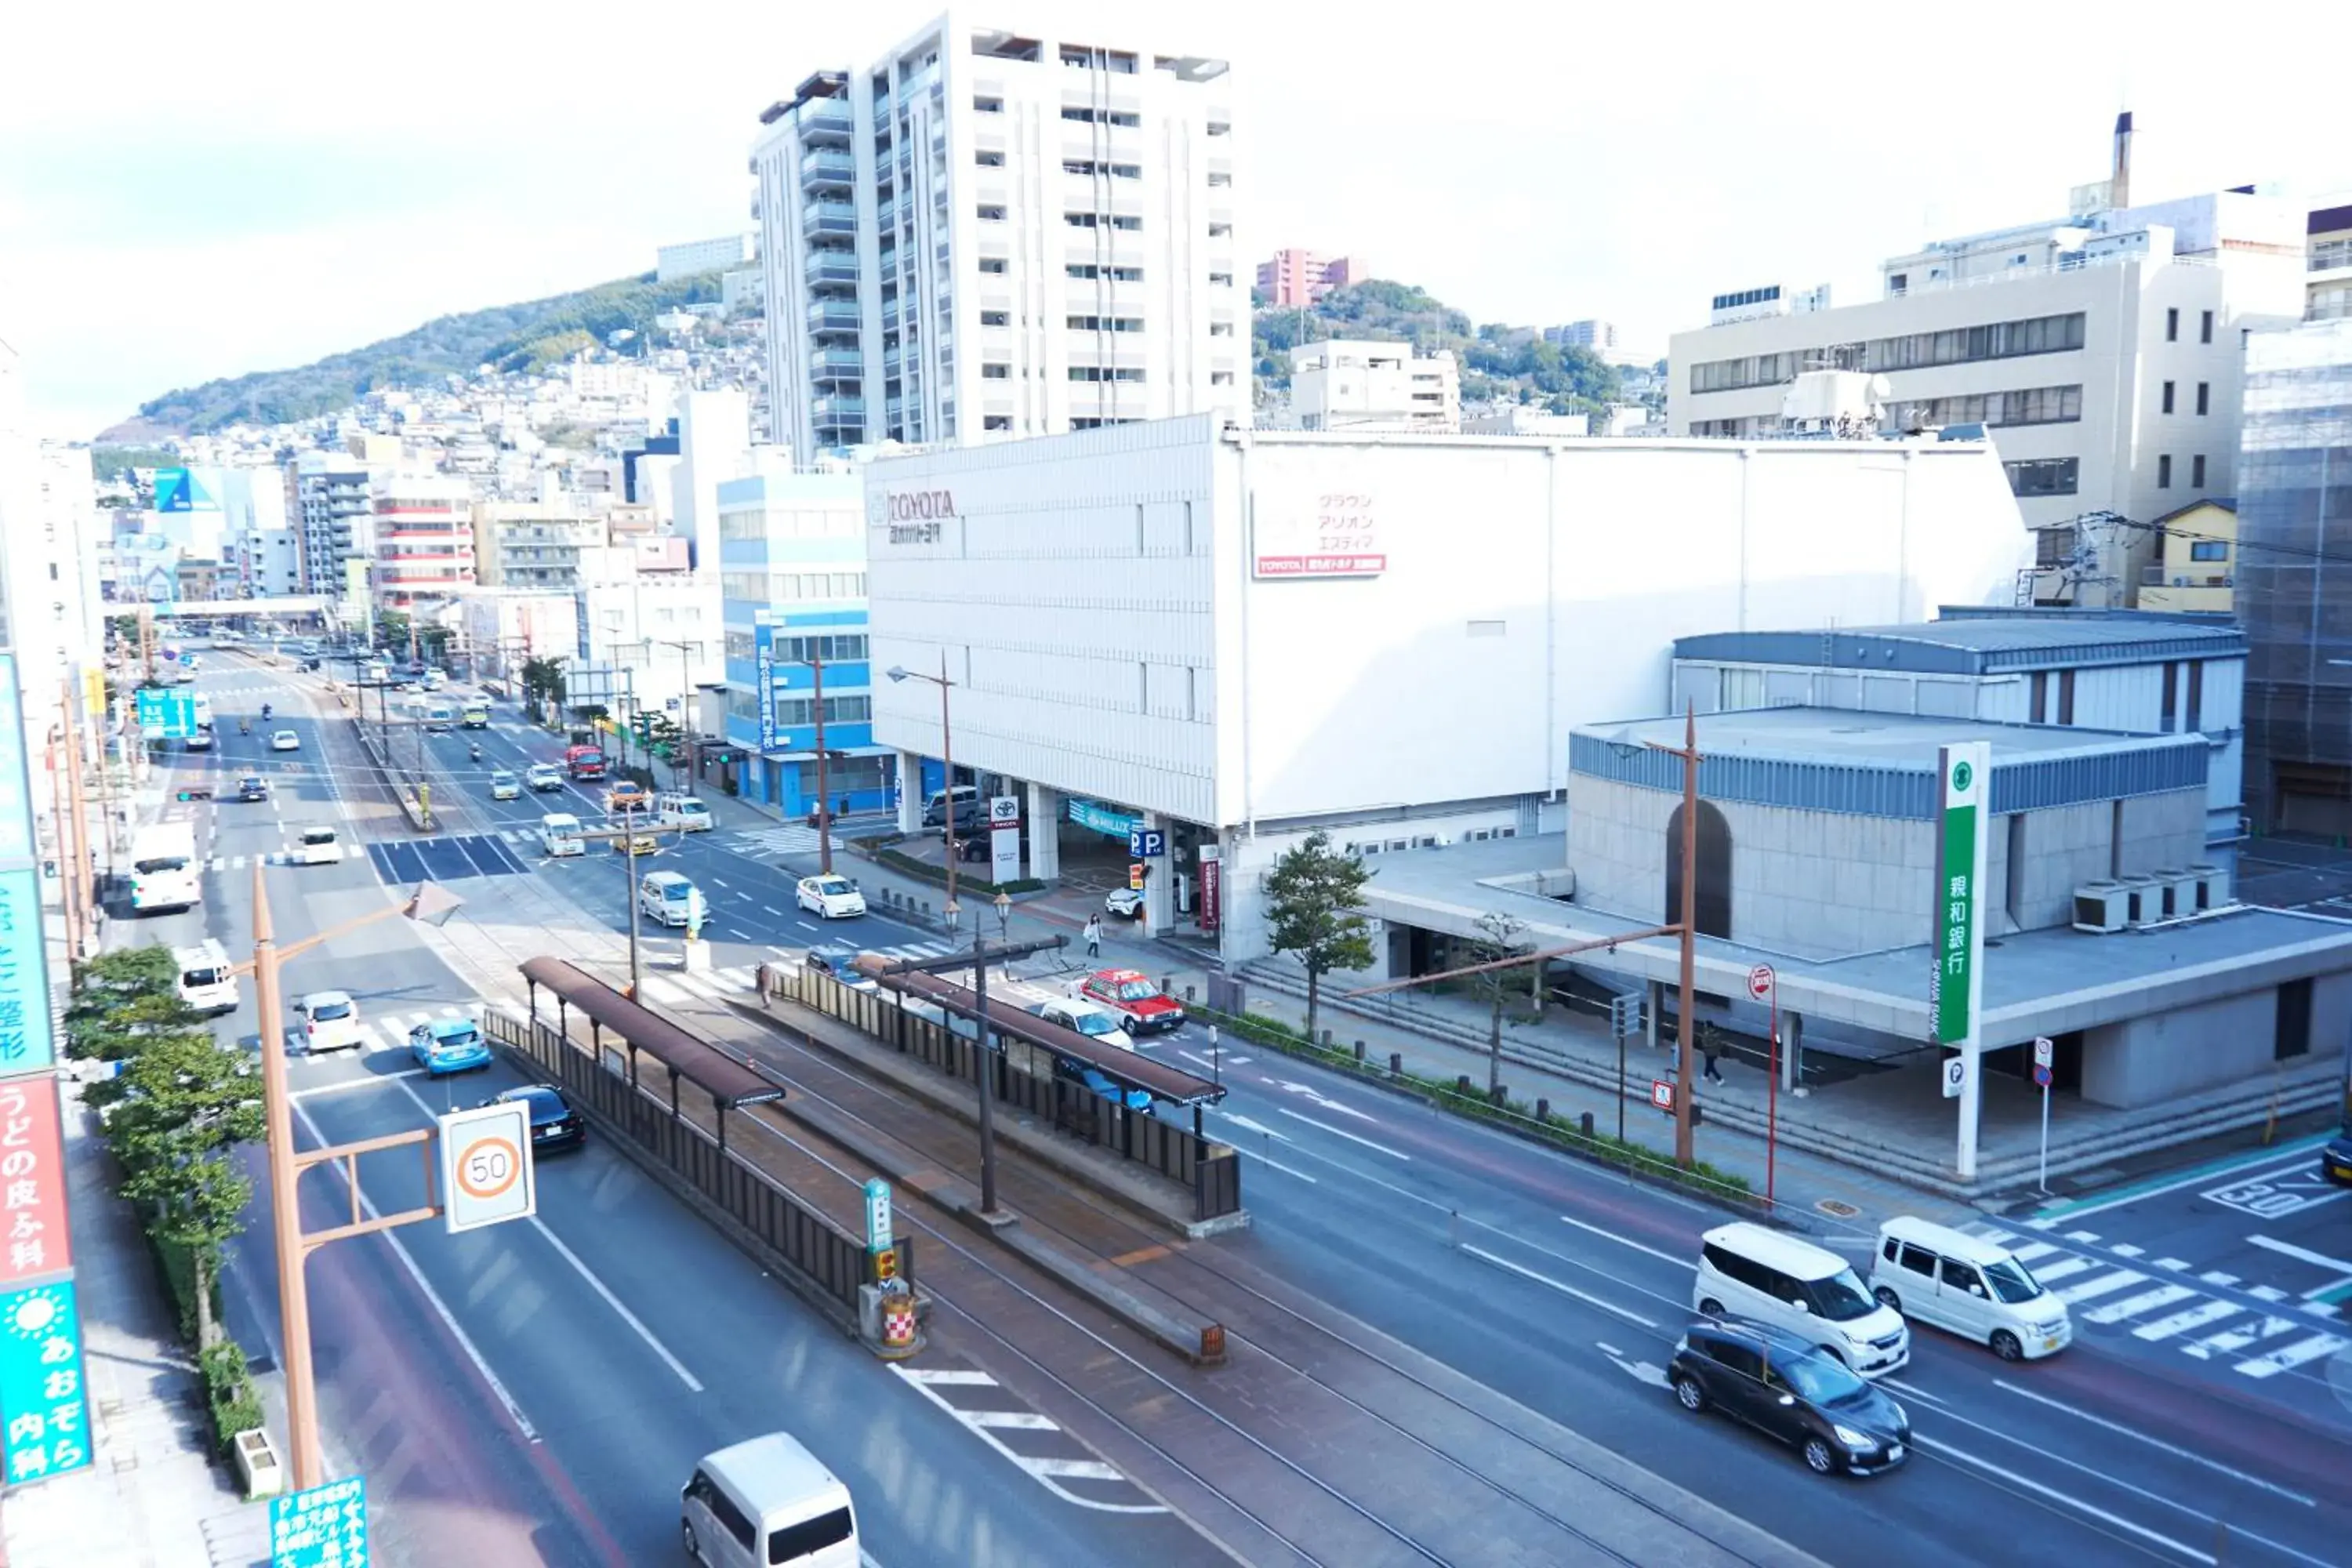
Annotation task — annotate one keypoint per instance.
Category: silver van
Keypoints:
(767, 1502)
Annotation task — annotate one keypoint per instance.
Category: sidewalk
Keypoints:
(152, 1497)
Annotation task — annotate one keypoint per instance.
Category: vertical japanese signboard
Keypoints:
(767, 679)
(34, 1239)
(1329, 529)
(47, 1413)
(1212, 887)
(325, 1527)
(1956, 985)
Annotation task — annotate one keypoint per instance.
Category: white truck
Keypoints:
(165, 874)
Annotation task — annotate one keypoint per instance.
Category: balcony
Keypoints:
(841, 408)
(825, 121)
(834, 316)
(828, 217)
(826, 268)
(828, 168)
(2155, 577)
(833, 364)
(886, 215)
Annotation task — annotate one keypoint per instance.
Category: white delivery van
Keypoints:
(164, 870)
(684, 812)
(558, 834)
(764, 1503)
(207, 982)
(1969, 1284)
(1747, 1271)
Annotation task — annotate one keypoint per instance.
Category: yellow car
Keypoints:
(636, 843)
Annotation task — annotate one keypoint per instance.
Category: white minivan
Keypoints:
(1969, 1284)
(1747, 1271)
(670, 900)
(558, 834)
(684, 812)
(767, 1502)
(206, 984)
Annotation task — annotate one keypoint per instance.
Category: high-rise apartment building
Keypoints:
(2294, 577)
(424, 538)
(987, 234)
(1296, 278)
(328, 496)
(2100, 352)
(2327, 279)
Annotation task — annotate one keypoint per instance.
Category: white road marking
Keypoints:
(1623, 1241)
(2181, 1322)
(2177, 1264)
(371, 1082)
(1264, 1159)
(2288, 1357)
(2106, 1284)
(2069, 1501)
(2126, 1249)
(1343, 1132)
(2284, 1249)
(2032, 1250)
(771, 910)
(2218, 1278)
(662, 991)
(2226, 1176)
(2238, 1339)
(2133, 1306)
(949, 1374)
(1041, 1470)
(2083, 1236)
(2189, 1455)
(1011, 1420)
(1586, 1297)
(2062, 1267)
(424, 1287)
(2266, 1292)
(1260, 1128)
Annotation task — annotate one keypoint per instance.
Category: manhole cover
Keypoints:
(1836, 1210)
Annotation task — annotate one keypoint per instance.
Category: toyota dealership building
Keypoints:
(1194, 638)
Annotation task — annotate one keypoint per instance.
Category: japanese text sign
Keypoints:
(325, 1527)
(1959, 950)
(44, 1409)
(34, 1240)
(26, 1042)
(1331, 530)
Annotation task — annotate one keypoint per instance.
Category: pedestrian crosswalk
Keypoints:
(791, 839)
(388, 1031)
(2257, 1331)
(683, 988)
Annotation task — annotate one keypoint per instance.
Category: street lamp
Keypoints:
(429, 904)
(947, 767)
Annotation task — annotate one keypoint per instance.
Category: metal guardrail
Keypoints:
(828, 1257)
(1025, 1079)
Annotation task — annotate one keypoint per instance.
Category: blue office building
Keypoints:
(793, 577)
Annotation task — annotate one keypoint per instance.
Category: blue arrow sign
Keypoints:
(171, 714)
(326, 1525)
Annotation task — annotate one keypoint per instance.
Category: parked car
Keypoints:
(316, 847)
(830, 898)
(1788, 1390)
(1126, 903)
(1095, 1082)
(450, 1045)
(1971, 1286)
(2336, 1159)
(553, 1123)
(504, 786)
(1140, 1007)
(252, 787)
(285, 740)
(543, 776)
(331, 1022)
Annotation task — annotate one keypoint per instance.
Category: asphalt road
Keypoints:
(537, 1393)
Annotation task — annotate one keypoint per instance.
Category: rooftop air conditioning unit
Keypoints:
(2143, 899)
(2099, 908)
(2175, 894)
(2209, 889)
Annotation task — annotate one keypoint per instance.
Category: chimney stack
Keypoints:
(2119, 184)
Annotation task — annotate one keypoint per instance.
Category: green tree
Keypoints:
(542, 682)
(392, 628)
(1313, 911)
(119, 999)
(1498, 940)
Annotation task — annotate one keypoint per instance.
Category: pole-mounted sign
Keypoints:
(1956, 984)
(486, 1167)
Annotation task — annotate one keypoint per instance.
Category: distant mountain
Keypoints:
(1499, 364)
(513, 337)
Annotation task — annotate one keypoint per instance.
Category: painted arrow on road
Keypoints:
(1639, 1370)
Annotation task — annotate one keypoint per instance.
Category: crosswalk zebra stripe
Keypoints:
(2239, 1338)
(2032, 1250)
(2196, 1317)
(2288, 1357)
(2133, 1306)
(2062, 1267)
(2105, 1285)
(663, 991)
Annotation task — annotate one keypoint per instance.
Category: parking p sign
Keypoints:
(486, 1169)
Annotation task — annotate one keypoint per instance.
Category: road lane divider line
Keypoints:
(424, 1285)
(1628, 1241)
(1343, 1132)
(2064, 1499)
(2336, 1266)
(1566, 1289)
(371, 1080)
(2156, 1443)
(1286, 1170)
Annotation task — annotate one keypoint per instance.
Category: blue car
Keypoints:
(1097, 1082)
(449, 1045)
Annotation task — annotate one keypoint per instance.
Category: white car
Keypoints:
(543, 776)
(558, 834)
(1126, 903)
(831, 898)
(504, 786)
(202, 741)
(1096, 1023)
(331, 1022)
(285, 740)
(316, 847)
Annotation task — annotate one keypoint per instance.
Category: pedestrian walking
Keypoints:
(1094, 936)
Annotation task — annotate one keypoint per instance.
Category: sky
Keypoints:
(189, 192)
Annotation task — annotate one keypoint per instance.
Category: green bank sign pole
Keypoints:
(1955, 989)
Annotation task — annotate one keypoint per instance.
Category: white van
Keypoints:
(558, 834)
(207, 982)
(1747, 1271)
(967, 806)
(316, 847)
(1967, 1284)
(669, 898)
(684, 812)
(767, 1502)
(165, 872)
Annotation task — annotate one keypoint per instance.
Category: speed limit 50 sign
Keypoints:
(485, 1169)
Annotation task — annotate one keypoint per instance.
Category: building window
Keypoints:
(2167, 397)
(2197, 471)
(2037, 704)
(1221, 280)
(2172, 326)
(2207, 550)
(2205, 328)
(2065, 696)
(995, 372)
(1221, 378)
(988, 160)
(2171, 705)
(1220, 128)
(1221, 328)
(2195, 694)
(988, 105)
(1220, 180)
(1102, 373)
(2164, 471)
(992, 264)
(2028, 405)
(996, 318)
(2204, 396)
(1713, 873)
(2043, 475)
(1105, 323)
(2051, 548)
(991, 214)
(1221, 231)
(996, 422)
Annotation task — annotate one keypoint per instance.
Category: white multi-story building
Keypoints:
(424, 538)
(2327, 278)
(2100, 352)
(1342, 384)
(990, 233)
(701, 255)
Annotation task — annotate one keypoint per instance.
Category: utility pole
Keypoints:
(1685, 1085)
(947, 763)
(824, 796)
(79, 873)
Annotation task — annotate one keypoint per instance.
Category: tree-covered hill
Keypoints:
(1499, 364)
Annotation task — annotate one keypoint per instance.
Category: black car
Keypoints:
(253, 786)
(553, 1123)
(2336, 1160)
(1792, 1390)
